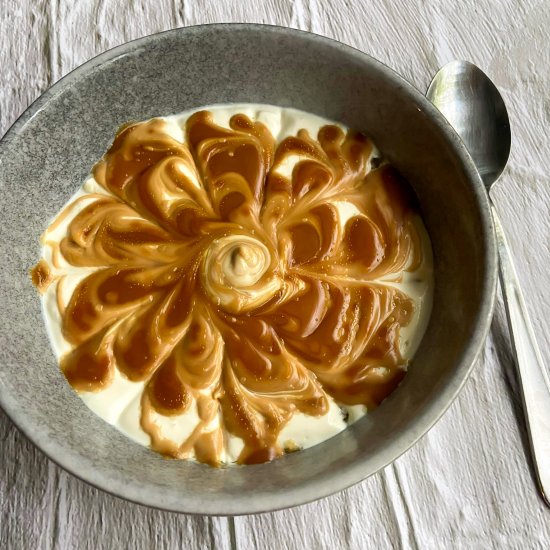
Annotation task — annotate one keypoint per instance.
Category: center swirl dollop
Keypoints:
(237, 273)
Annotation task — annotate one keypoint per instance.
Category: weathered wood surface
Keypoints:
(467, 484)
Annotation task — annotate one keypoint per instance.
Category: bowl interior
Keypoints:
(49, 152)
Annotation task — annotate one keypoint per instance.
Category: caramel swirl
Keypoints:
(41, 276)
(239, 278)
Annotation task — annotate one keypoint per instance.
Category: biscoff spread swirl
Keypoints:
(238, 274)
(228, 283)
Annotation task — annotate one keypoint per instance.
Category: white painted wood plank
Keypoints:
(42, 507)
(23, 57)
(467, 483)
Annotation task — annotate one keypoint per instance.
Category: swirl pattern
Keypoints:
(228, 281)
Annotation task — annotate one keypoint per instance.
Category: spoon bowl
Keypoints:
(474, 107)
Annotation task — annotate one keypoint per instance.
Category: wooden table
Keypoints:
(467, 484)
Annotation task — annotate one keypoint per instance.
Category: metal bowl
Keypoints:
(48, 153)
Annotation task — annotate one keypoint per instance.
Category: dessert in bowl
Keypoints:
(69, 130)
(236, 282)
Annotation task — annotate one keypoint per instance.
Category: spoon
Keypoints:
(474, 107)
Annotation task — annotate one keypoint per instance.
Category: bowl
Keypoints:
(49, 152)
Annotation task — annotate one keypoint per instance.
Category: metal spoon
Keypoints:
(476, 110)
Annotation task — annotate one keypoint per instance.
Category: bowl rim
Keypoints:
(350, 474)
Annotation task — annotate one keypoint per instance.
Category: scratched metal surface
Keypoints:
(467, 484)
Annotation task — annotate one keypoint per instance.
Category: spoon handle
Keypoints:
(533, 378)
